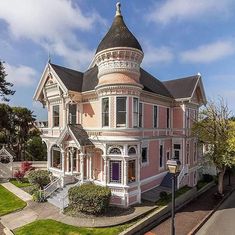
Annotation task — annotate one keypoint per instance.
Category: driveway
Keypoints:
(222, 221)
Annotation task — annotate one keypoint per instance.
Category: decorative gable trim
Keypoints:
(48, 71)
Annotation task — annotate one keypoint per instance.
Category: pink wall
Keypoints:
(148, 115)
(162, 117)
(178, 117)
(90, 115)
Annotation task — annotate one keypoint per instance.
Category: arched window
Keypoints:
(56, 158)
(131, 151)
(115, 150)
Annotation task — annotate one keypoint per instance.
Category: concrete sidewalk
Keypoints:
(17, 191)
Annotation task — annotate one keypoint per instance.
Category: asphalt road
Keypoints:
(222, 221)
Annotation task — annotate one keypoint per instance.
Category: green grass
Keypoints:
(19, 184)
(53, 227)
(201, 184)
(9, 202)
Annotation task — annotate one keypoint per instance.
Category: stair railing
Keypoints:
(183, 172)
(51, 187)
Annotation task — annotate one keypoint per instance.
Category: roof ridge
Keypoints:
(63, 67)
(188, 77)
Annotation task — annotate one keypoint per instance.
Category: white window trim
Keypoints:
(142, 126)
(127, 111)
(138, 101)
(101, 111)
(52, 115)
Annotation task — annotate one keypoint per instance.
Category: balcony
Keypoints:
(46, 131)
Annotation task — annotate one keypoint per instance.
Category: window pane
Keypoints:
(144, 155)
(167, 118)
(56, 158)
(73, 114)
(140, 114)
(135, 112)
(131, 171)
(56, 116)
(105, 112)
(154, 116)
(161, 155)
(121, 111)
(115, 171)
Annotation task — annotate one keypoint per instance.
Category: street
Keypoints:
(222, 221)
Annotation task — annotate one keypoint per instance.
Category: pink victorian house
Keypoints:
(115, 124)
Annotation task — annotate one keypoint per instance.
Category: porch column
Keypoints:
(67, 162)
(125, 171)
(105, 169)
(82, 166)
(71, 159)
(90, 166)
(48, 157)
(62, 160)
(77, 160)
(62, 163)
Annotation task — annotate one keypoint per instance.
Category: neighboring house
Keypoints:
(115, 124)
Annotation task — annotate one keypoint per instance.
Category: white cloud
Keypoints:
(187, 9)
(51, 24)
(21, 76)
(155, 55)
(209, 52)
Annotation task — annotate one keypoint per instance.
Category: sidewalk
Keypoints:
(17, 191)
(188, 218)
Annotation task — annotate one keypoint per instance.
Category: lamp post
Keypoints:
(174, 168)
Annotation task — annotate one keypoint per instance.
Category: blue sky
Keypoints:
(179, 38)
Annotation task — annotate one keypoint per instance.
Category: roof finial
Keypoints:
(118, 9)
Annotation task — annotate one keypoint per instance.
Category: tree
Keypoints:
(23, 119)
(36, 149)
(5, 87)
(215, 129)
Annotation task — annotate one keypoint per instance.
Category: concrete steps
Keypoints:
(60, 197)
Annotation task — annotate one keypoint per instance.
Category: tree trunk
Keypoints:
(221, 181)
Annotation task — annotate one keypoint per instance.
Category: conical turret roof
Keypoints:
(118, 35)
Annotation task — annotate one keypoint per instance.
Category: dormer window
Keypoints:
(72, 114)
(121, 112)
(56, 116)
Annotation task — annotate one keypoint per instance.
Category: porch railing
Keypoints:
(183, 172)
(51, 187)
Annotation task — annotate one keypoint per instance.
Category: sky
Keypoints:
(179, 38)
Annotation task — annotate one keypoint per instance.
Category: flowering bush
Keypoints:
(19, 175)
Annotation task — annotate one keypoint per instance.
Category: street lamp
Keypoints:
(174, 168)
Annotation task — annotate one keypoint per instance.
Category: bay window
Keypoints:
(72, 114)
(115, 172)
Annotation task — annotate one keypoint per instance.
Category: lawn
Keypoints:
(9, 202)
(53, 227)
(19, 184)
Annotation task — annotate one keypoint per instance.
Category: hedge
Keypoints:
(89, 198)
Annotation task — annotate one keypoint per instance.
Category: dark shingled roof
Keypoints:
(152, 84)
(118, 36)
(181, 88)
(80, 134)
(90, 79)
(77, 81)
(72, 79)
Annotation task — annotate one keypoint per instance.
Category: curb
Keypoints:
(7, 231)
(158, 216)
(205, 219)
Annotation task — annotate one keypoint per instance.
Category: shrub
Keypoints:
(90, 198)
(38, 196)
(39, 177)
(26, 166)
(207, 178)
(32, 189)
(19, 175)
(163, 195)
